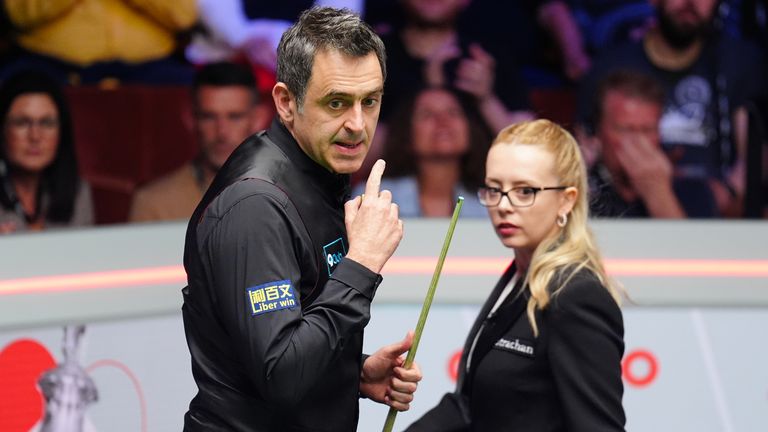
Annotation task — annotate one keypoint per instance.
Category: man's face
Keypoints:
(439, 127)
(337, 122)
(683, 21)
(624, 120)
(226, 116)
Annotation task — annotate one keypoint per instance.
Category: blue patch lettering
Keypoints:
(271, 296)
(334, 252)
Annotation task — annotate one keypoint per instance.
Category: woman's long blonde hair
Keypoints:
(562, 256)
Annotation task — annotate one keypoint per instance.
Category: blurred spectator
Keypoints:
(250, 29)
(557, 19)
(434, 153)
(748, 19)
(227, 110)
(428, 49)
(552, 40)
(604, 23)
(542, 35)
(38, 168)
(708, 79)
(88, 41)
(751, 17)
(630, 175)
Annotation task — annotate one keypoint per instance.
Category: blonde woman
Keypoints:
(544, 354)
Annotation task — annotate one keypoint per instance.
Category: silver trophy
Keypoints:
(67, 388)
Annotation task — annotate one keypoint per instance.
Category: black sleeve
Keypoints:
(260, 242)
(586, 346)
(451, 414)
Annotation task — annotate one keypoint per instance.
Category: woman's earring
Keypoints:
(562, 220)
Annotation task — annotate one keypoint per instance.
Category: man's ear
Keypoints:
(285, 103)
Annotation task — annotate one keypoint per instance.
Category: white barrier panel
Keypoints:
(694, 359)
(685, 369)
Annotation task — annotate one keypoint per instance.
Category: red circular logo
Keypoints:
(453, 365)
(636, 360)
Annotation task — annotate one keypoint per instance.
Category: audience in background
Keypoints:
(40, 186)
(604, 23)
(542, 36)
(427, 48)
(557, 19)
(708, 78)
(630, 175)
(249, 29)
(468, 53)
(88, 41)
(748, 19)
(435, 152)
(227, 110)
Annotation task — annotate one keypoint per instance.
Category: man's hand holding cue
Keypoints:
(374, 230)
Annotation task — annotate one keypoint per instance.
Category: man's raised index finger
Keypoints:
(374, 179)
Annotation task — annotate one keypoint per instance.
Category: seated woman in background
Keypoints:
(39, 183)
(434, 150)
(545, 351)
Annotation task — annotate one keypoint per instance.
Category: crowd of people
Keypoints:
(283, 262)
(669, 97)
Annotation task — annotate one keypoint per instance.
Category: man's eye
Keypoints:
(370, 102)
(335, 104)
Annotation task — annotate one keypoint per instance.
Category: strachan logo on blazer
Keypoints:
(518, 346)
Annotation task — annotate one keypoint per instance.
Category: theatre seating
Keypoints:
(131, 134)
(127, 136)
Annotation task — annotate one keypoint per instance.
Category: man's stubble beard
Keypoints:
(682, 37)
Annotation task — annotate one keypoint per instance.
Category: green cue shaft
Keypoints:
(390, 423)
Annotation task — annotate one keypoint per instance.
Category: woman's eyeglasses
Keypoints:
(523, 196)
(26, 123)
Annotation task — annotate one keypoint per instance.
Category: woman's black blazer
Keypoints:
(566, 379)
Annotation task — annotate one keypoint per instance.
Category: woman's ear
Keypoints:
(569, 197)
(285, 103)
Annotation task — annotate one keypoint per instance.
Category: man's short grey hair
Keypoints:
(319, 29)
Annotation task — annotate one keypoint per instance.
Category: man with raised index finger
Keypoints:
(281, 271)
